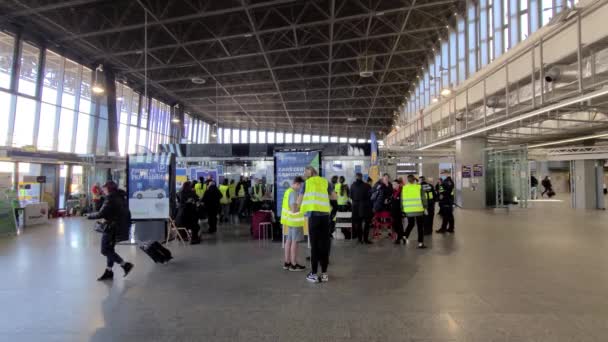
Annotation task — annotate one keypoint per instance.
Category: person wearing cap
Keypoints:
(117, 224)
(413, 204)
(431, 197)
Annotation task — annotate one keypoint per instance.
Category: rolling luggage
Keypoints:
(551, 193)
(156, 252)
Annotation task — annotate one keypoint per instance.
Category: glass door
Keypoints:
(508, 178)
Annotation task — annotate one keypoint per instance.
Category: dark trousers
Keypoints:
(212, 220)
(318, 228)
(107, 250)
(429, 218)
(334, 210)
(418, 221)
(361, 228)
(447, 214)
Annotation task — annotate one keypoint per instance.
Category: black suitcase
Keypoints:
(157, 252)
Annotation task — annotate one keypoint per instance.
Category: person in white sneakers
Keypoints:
(293, 225)
(316, 210)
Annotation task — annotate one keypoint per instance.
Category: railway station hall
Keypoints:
(303, 170)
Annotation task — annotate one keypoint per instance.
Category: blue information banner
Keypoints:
(288, 166)
(149, 188)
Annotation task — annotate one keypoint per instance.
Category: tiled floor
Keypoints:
(528, 275)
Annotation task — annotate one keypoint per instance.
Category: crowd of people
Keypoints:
(311, 199)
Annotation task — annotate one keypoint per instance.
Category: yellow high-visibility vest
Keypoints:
(200, 189)
(288, 218)
(257, 193)
(410, 198)
(342, 200)
(428, 190)
(224, 191)
(241, 193)
(232, 190)
(316, 197)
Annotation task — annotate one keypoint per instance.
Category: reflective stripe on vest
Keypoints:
(224, 191)
(316, 197)
(242, 191)
(287, 217)
(428, 189)
(410, 198)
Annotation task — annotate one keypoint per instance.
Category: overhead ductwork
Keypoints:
(496, 102)
(562, 73)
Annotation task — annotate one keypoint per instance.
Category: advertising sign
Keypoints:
(466, 171)
(149, 188)
(477, 170)
(288, 166)
(198, 173)
(36, 213)
(181, 176)
(374, 170)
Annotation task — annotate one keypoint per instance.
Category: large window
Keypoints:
(7, 48)
(28, 71)
(24, 129)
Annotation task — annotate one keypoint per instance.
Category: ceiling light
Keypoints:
(351, 119)
(446, 92)
(198, 80)
(569, 140)
(175, 120)
(379, 13)
(435, 100)
(120, 98)
(97, 87)
(213, 134)
(601, 92)
(365, 74)
(247, 35)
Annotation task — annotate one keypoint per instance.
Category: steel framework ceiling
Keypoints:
(269, 64)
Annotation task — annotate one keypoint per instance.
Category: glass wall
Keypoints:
(487, 29)
(46, 103)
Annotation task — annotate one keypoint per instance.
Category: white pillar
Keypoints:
(588, 184)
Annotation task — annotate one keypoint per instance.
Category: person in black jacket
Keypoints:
(431, 197)
(117, 224)
(211, 201)
(187, 215)
(360, 193)
(382, 194)
(446, 206)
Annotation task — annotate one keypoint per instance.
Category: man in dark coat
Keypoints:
(117, 223)
(211, 201)
(360, 193)
(382, 194)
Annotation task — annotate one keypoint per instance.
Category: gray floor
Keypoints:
(530, 275)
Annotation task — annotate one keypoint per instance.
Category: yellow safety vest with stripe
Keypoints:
(316, 197)
(342, 199)
(428, 190)
(411, 200)
(200, 189)
(232, 190)
(288, 218)
(224, 191)
(257, 193)
(241, 193)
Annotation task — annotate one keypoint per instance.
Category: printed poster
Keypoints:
(466, 171)
(288, 166)
(149, 188)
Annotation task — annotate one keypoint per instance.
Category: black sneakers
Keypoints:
(287, 266)
(127, 267)
(107, 275)
(297, 268)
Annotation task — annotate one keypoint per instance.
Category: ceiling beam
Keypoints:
(387, 66)
(262, 49)
(46, 8)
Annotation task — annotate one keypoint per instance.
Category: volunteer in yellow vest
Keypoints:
(342, 193)
(431, 195)
(413, 204)
(241, 195)
(258, 193)
(200, 188)
(316, 208)
(225, 201)
(293, 225)
(234, 205)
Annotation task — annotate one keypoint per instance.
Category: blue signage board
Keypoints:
(288, 166)
(149, 186)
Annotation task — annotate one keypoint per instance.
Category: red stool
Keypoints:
(382, 220)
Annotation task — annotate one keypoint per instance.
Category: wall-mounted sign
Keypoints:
(41, 179)
(477, 170)
(466, 171)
